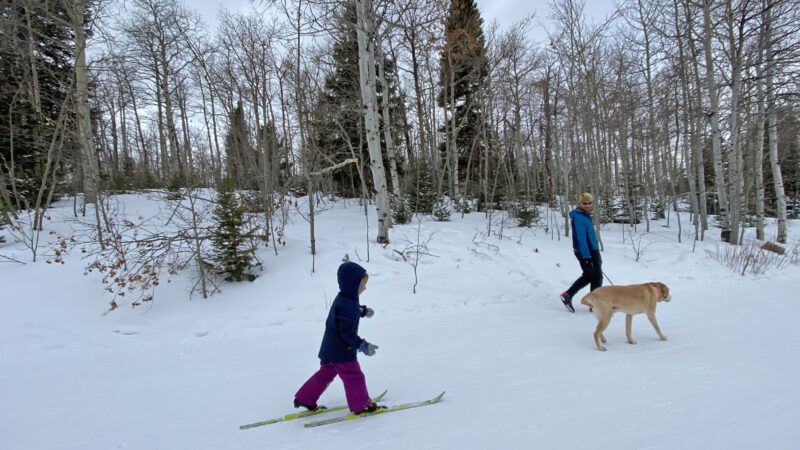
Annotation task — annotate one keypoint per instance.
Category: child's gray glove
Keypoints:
(367, 312)
(367, 348)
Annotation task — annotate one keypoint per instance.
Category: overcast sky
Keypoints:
(506, 12)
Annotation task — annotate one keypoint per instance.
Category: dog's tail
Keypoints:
(588, 300)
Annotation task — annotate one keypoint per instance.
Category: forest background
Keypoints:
(420, 108)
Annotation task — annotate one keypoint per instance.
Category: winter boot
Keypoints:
(298, 404)
(567, 301)
(371, 408)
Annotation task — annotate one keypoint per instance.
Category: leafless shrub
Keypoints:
(751, 258)
(480, 245)
(131, 253)
(636, 238)
(134, 253)
(416, 249)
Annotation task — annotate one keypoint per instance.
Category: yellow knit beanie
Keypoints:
(586, 198)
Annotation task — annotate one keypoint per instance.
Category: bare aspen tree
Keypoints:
(159, 32)
(576, 45)
(182, 96)
(301, 116)
(418, 22)
(671, 169)
(761, 119)
(451, 138)
(247, 43)
(698, 118)
(514, 85)
(295, 70)
(713, 115)
(387, 121)
(736, 21)
(772, 122)
(548, 84)
(687, 153)
(366, 32)
(91, 171)
(644, 18)
(568, 45)
(128, 84)
(204, 78)
(209, 118)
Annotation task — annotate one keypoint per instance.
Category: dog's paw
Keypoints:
(632, 341)
(663, 338)
(601, 348)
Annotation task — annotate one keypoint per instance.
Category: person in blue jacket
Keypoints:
(584, 243)
(340, 342)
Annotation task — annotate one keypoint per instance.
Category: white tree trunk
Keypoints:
(91, 171)
(644, 22)
(697, 148)
(716, 137)
(365, 30)
(387, 124)
(772, 119)
(684, 77)
(736, 158)
(759, 150)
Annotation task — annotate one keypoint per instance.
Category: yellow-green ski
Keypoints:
(300, 414)
(380, 411)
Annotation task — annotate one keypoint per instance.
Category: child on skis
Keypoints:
(337, 353)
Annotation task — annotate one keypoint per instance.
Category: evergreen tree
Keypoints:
(421, 189)
(462, 77)
(241, 157)
(274, 154)
(526, 213)
(338, 116)
(234, 254)
(441, 212)
(401, 210)
(34, 87)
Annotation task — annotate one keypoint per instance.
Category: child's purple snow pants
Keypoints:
(355, 385)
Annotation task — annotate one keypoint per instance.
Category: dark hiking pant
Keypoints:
(592, 274)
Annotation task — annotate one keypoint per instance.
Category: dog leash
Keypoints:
(609, 279)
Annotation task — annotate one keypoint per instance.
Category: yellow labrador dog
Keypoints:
(634, 299)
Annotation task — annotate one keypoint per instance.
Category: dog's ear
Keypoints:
(664, 289)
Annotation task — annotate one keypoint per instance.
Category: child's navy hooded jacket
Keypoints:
(341, 340)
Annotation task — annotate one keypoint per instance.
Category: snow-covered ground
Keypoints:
(485, 324)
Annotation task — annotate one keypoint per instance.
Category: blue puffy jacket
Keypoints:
(341, 340)
(584, 241)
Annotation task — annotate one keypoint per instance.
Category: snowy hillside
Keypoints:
(485, 324)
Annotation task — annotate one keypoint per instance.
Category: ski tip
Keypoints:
(266, 422)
